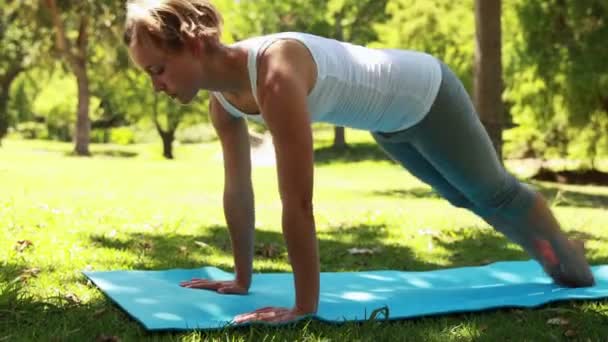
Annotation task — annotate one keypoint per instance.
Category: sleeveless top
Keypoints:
(379, 90)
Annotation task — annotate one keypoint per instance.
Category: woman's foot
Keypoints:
(570, 269)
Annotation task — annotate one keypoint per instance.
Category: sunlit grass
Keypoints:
(127, 208)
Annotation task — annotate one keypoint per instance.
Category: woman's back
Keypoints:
(372, 89)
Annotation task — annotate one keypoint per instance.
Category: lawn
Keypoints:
(127, 208)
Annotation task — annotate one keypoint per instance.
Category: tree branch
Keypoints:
(83, 38)
(8, 78)
(63, 44)
(155, 115)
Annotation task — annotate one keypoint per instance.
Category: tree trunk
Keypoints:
(488, 69)
(76, 56)
(339, 134)
(339, 137)
(168, 135)
(168, 138)
(5, 87)
(83, 123)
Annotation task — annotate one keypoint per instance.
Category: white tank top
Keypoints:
(378, 90)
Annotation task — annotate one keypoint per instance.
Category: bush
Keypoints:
(32, 130)
(100, 136)
(195, 134)
(122, 136)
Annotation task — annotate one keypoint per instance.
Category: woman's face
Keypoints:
(177, 74)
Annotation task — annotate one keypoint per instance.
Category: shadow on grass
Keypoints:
(570, 198)
(467, 246)
(555, 195)
(157, 251)
(111, 153)
(351, 154)
(56, 317)
(413, 193)
(115, 154)
(476, 247)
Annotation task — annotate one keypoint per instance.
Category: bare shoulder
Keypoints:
(286, 50)
(288, 58)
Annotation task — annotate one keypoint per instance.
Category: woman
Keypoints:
(414, 106)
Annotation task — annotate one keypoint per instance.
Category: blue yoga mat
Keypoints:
(155, 298)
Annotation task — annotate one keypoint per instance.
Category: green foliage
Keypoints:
(112, 212)
(56, 105)
(32, 130)
(443, 28)
(554, 52)
(20, 106)
(350, 20)
(251, 17)
(196, 134)
(23, 40)
(559, 77)
(122, 136)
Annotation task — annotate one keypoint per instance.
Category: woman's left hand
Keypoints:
(269, 314)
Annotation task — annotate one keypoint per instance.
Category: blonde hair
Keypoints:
(167, 23)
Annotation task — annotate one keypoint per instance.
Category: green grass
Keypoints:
(126, 208)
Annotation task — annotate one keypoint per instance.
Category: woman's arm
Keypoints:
(238, 190)
(283, 83)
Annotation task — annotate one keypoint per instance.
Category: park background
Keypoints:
(99, 172)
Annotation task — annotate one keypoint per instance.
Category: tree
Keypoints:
(22, 41)
(167, 133)
(91, 17)
(559, 78)
(133, 95)
(442, 28)
(488, 69)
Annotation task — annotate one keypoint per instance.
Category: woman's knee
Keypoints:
(513, 199)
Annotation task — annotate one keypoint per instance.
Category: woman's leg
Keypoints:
(453, 141)
(406, 155)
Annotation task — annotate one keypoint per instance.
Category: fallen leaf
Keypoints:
(363, 251)
(201, 244)
(28, 274)
(72, 298)
(570, 333)
(427, 232)
(32, 272)
(104, 338)
(22, 245)
(558, 321)
(146, 245)
(267, 250)
(183, 249)
(99, 312)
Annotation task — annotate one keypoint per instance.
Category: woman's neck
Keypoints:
(228, 65)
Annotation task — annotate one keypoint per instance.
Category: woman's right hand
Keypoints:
(224, 287)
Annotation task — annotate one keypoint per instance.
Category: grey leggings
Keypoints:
(451, 151)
